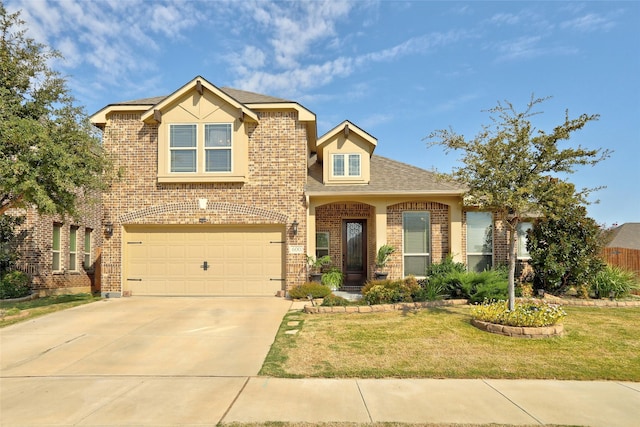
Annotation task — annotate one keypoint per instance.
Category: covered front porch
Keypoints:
(351, 231)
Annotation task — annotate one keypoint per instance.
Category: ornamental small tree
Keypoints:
(512, 169)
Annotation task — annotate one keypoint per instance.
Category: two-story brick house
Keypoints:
(225, 192)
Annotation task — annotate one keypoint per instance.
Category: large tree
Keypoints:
(515, 170)
(49, 155)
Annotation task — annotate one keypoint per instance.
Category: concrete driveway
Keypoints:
(112, 361)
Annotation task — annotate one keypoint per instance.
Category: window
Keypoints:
(217, 146)
(322, 244)
(87, 249)
(416, 242)
(73, 249)
(523, 227)
(479, 241)
(55, 248)
(352, 168)
(183, 147)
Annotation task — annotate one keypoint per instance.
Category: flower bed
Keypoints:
(528, 319)
(519, 331)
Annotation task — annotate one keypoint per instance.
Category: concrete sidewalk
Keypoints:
(157, 400)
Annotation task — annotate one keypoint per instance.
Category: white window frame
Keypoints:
(86, 259)
(521, 240)
(228, 148)
(56, 252)
(178, 149)
(73, 248)
(406, 254)
(323, 248)
(484, 252)
(346, 165)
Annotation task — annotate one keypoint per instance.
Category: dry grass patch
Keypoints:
(599, 344)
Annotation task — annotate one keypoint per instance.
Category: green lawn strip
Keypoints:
(599, 344)
(15, 312)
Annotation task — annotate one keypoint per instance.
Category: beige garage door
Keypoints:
(203, 260)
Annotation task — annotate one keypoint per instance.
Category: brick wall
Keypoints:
(273, 193)
(35, 243)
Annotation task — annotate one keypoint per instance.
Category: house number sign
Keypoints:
(296, 249)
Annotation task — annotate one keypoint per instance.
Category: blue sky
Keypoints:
(399, 70)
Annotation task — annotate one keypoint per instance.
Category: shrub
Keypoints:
(332, 300)
(613, 279)
(14, 284)
(390, 291)
(531, 313)
(476, 287)
(431, 291)
(445, 267)
(316, 290)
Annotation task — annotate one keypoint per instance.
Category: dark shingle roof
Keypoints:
(242, 96)
(626, 236)
(387, 177)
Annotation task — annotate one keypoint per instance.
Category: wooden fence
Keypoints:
(628, 259)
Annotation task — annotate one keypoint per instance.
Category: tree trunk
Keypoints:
(513, 235)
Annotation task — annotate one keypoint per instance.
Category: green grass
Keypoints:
(599, 344)
(14, 312)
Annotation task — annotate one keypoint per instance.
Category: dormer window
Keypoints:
(183, 145)
(346, 165)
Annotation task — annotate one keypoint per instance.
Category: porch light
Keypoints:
(108, 229)
(294, 227)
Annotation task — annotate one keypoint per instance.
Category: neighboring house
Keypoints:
(623, 248)
(60, 255)
(225, 192)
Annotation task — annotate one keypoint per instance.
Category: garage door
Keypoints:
(203, 260)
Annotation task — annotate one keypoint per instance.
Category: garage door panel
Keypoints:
(169, 260)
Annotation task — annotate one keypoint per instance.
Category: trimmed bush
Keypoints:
(616, 280)
(332, 300)
(14, 284)
(315, 289)
(531, 313)
(390, 291)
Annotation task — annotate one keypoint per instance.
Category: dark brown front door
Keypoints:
(354, 250)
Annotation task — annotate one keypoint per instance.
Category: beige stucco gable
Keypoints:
(345, 154)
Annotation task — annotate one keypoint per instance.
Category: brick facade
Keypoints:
(35, 244)
(273, 193)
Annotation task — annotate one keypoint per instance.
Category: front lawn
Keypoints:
(599, 344)
(14, 312)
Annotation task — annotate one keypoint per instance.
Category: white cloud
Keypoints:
(588, 23)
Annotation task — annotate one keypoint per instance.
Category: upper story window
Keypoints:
(346, 165)
(187, 147)
(217, 143)
(183, 143)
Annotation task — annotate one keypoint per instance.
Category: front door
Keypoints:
(354, 250)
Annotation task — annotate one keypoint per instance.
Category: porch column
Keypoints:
(381, 224)
(455, 232)
(311, 229)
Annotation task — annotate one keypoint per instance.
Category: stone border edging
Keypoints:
(378, 308)
(34, 295)
(519, 331)
(576, 302)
